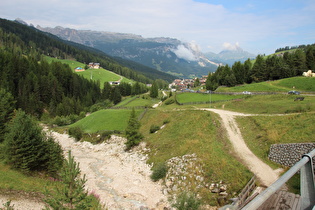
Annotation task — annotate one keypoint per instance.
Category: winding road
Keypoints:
(265, 174)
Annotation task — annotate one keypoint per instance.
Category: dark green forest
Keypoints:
(278, 66)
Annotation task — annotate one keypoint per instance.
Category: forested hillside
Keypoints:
(51, 45)
(278, 66)
(38, 87)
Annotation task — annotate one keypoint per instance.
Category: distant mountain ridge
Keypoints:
(230, 56)
(165, 54)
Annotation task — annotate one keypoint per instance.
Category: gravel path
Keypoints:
(264, 173)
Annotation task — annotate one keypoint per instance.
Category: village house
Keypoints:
(182, 84)
(94, 65)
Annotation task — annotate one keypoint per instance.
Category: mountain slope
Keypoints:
(164, 54)
(54, 46)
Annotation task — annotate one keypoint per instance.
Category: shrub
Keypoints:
(166, 121)
(163, 98)
(154, 128)
(61, 120)
(186, 201)
(169, 101)
(76, 132)
(159, 172)
(106, 135)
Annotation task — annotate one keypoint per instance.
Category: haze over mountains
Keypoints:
(230, 54)
(165, 54)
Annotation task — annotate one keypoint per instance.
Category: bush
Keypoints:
(169, 101)
(166, 121)
(186, 201)
(76, 132)
(154, 128)
(106, 135)
(61, 120)
(159, 172)
(163, 98)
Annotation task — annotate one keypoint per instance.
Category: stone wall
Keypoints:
(289, 154)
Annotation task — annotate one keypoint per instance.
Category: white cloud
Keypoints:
(229, 46)
(184, 53)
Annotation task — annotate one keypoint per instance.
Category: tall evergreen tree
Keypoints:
(106, 90)
(259, 69)
(27, 148)
(154, 91)
(7, 106)
(115, 95)
(132, 131)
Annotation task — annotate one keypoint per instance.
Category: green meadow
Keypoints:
(202, 97)
(107, 119)
(270, 104)
(101, 75)
(283, 85)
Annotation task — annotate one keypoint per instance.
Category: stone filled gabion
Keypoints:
(289, 154)
(186, 174)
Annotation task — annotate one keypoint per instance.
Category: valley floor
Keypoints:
(122, 179)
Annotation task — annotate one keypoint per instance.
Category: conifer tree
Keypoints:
(7, 105)
(154, 92)
(28, 148)
(70, 194)
(132, 131)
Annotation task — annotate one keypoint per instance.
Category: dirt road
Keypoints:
(264, 173)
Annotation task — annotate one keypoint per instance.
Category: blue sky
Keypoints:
(259, 27)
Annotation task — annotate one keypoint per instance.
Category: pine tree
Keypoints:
(28, 148)
(23, 143)
(154, 92)
(132, 131)
(7, 105)
(115, 95)
(70, 194)
(259, 69)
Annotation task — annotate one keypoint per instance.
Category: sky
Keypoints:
(257, 26)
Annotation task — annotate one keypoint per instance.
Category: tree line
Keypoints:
(274, 67)
(291, 48)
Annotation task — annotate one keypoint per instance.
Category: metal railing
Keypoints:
(307, 186)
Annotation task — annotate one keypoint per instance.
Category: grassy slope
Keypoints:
(200, 97)
(199, 132)
(267, 130)
(97, 74)
(109, 119)
(14, 180)
(284, 85)
(270, 104)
